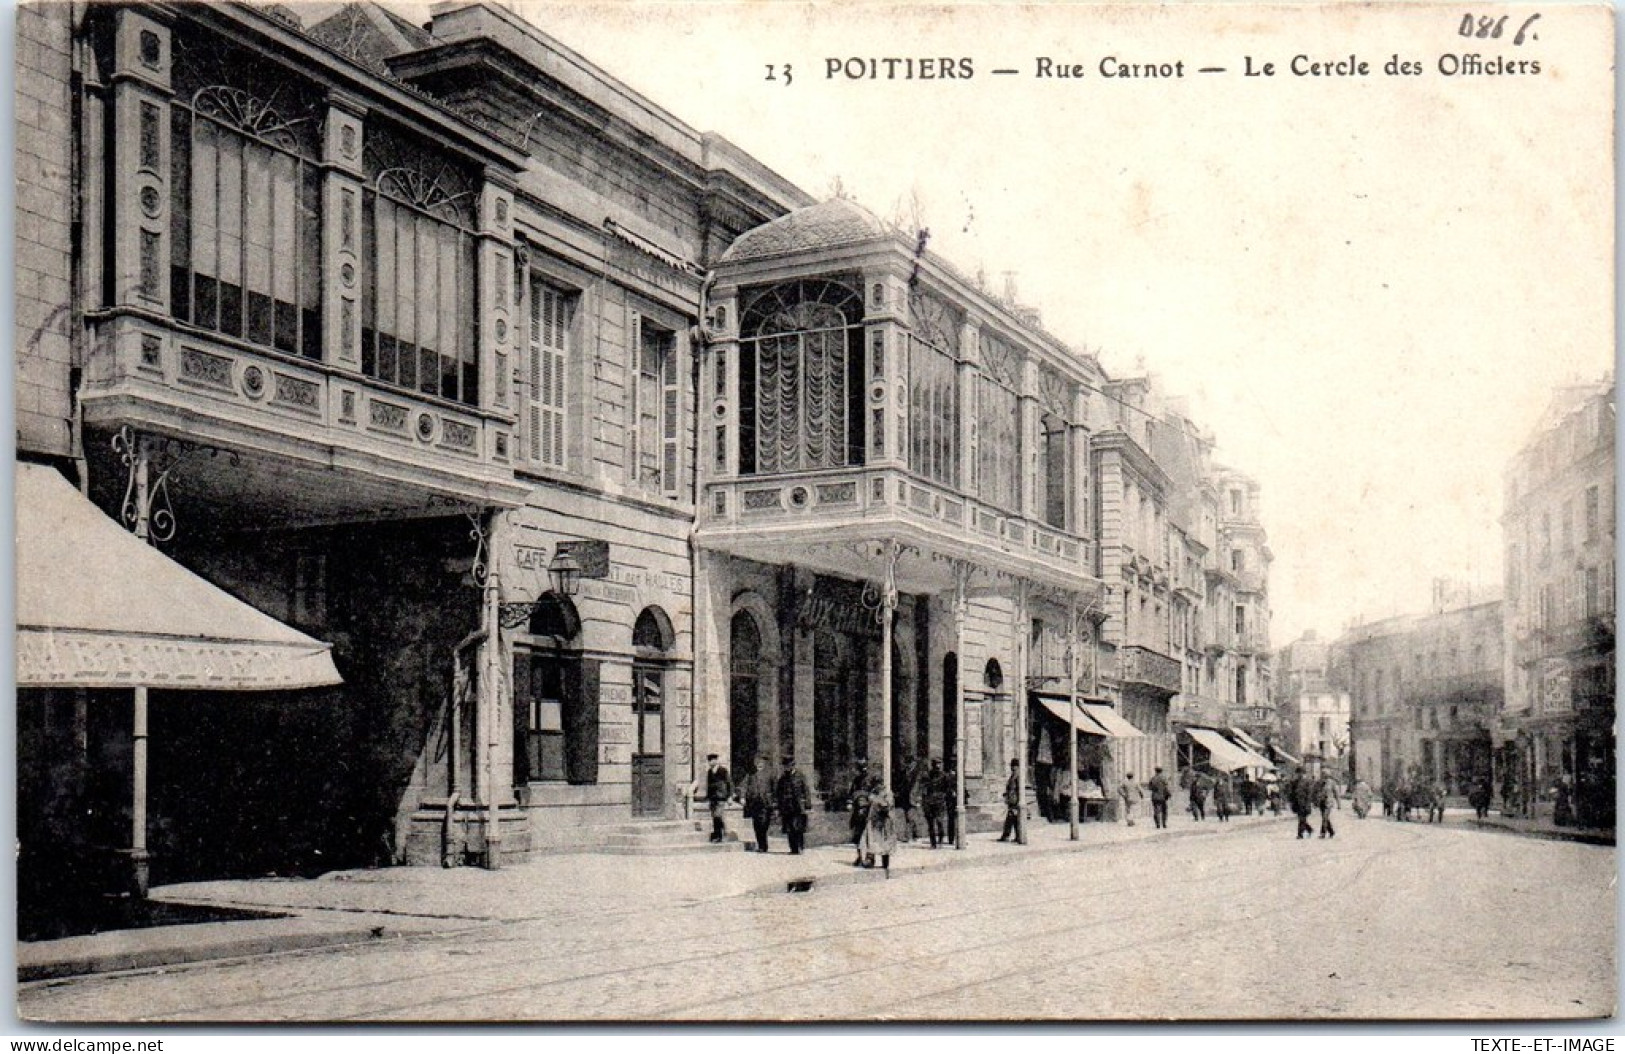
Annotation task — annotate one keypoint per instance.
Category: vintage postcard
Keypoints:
(729, 512)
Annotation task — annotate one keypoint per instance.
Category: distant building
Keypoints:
(1424, 689)
(1313, 715)
(1558, 526)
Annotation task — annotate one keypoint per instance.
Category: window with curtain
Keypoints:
(801, 377)
(998, 426)
(418, 299)
(245, 196)
(933, 385)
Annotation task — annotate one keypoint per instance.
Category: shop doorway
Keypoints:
(651, 645)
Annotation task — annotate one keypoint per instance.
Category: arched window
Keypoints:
(800, 377)
(998, 425)
(744, 711)
(245, 190)
(933, 384)
(993, 675)
(555, 700)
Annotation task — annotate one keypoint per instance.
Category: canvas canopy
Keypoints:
(99, 608)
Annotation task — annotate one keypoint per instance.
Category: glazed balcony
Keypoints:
(1150, 669)
(341, 444)
(796, 517)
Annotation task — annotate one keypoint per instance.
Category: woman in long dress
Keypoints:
(880, 833)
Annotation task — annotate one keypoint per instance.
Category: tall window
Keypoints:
(550, 318)
(998, 426)
(245, 185)
(555, 707)
(801, 378)
(417, 299)
(933, 386)
(656, 404)
(1241, 620)
(1055, 435)
(1593, 512)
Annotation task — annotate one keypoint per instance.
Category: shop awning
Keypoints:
(1225, 755)
(1247, 741)
(1058, 706)
(1282, 755)
(98, 608)
(1114, 723)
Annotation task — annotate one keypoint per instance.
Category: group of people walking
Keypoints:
(1403, 798)
(878, 818)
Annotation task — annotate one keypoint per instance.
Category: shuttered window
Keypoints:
(549, 355)
(655, 408)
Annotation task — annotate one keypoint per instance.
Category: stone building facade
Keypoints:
(1313, 715)
(1559, 531)
(1425, 690)
(591, 444)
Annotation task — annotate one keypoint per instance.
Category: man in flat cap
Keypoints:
(795, 802)
(718, 789)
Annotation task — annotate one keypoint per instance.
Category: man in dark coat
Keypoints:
(858, 803)
(1302, 795)
(907, 794)
(1160, 793)
(1201, 788)
(1327, 799)
(759, 801)
(950, 783)
(719, 787)
(1012, 803)
(795, 802)
(935, 798)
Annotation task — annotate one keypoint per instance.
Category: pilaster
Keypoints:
(496, 294)
(343, 265)
(139, 190)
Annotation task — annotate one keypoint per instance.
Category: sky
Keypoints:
(1365, 286)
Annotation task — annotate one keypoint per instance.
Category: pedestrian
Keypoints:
(1160, 793)
(1436, 796)
(1275, 798)
(1201, 787)
(1224, 797)
(1301, 794)
(759, 800)
(880, 830)
(1012, 803)
(858, 802)
(1129, 792)
(936, 802)
(907, 790)
(1326, 799)
(1402, 800)
(1479, 798)
(1362, 798)
(718, 789)
(1388, 799)
(795, 802)
(950, 782)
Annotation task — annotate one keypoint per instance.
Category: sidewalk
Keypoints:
(1543, 828)
(349, 907)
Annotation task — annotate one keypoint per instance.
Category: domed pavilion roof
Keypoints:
(826, 225)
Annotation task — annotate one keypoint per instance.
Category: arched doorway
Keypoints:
(840, 710)
(744, 692)
(555, 726)
(652, 641)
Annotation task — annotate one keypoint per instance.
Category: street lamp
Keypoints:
(564, 571)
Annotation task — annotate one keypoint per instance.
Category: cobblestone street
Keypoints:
(1386, 921)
